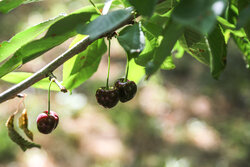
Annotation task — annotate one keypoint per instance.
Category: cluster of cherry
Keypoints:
(123, 90)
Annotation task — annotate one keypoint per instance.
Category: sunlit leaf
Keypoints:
(9, 47)
(7, 5)
(55, 36)
(17, 77)
(82, 66)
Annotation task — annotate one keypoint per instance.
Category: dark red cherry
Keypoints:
(47, 123)
(127, 89)
(108, 98)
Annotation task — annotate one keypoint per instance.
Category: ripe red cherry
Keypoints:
(46, 123)
(127, 89)
(108, 98)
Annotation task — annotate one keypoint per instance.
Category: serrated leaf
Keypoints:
(218, 52)
(171, 34)
(199, 14)
(17, 77)
(82, 66)
(146, 8)
(55, 36)
(104, 24)
(7, 5)
(244, 45)
(132, 39)
(9, 47)
(195, 44)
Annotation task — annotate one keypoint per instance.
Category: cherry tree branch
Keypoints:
(49, 68)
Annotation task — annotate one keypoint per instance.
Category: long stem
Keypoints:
(52, 80)
(107, 83)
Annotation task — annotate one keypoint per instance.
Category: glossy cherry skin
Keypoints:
(127, 89)
(108, 98)
(47, 123)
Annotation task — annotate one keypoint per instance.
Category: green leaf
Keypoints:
(136, 72)
(244, 45)
(82, 66)
(218, 52)
(9, 47)
(194, 43)
(171, 34)
(148, 52)
(165, 6)
(199, 14)
(168, 64)
(7, 5)
(17, 77)
(145, 8)
(244, 19)
(104, 23)
(178, 50)
(132, 39)
(55, 36)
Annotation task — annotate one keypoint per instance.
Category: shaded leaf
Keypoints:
(218, 52)
(82, 66)
(104, 23)
(244, 45)
(194, 43)
(199, 14)
(151, 42)
(146, 8)
(171, 34)
(17, 77)
(132, 39)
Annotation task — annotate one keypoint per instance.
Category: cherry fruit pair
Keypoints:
(122, 90)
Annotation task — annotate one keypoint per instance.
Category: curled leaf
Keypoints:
(16, 137)
(23, 124)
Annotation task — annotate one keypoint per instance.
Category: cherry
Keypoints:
(127, 89)
(46, 123)
(108, 98)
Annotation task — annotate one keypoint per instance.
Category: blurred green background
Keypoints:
(179, 118)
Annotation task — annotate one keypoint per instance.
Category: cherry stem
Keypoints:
(127, 68)
(62, 88)
(52, 80)
(107, 83)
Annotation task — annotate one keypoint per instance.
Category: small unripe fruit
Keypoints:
(46, 123)
(127, 89)
(108, 98)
